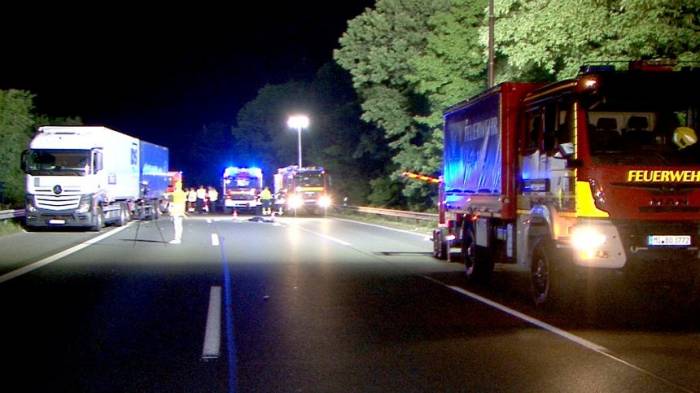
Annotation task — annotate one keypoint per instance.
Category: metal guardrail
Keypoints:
(10, 214)
(393, 213)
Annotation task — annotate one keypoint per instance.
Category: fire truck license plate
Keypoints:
(668, 240)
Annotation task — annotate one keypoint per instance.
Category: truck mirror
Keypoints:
(23, 161)
(565, 150)
(98, 161)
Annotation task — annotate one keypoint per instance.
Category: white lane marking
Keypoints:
(559, 332)
(214, 239)
(208, 220)
(212, 331)
(423, 235)
(62, 254)
(524, 317)
(331, 238)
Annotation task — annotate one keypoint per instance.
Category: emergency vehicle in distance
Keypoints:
(598, 173)
(241, 188)
(302, 190)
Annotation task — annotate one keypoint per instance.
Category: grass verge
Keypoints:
(8, 226)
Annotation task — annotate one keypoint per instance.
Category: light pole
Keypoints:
(298, 122)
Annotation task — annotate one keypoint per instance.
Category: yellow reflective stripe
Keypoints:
(585, 205)
(310, 188)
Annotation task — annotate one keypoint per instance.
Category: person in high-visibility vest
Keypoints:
(177, 211)
(212, 196)
(266, 199)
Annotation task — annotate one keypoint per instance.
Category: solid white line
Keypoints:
(214, 239)
(423, 235)
(331, 238)
(212, 331)
(559, 332)
(62, 254)
(524, 317)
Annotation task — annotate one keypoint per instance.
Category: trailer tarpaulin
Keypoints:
(473, 148)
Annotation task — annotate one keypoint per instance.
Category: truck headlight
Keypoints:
(85, 204)
(295, 202)
(324, 201)
(587, 241)
(29, 203)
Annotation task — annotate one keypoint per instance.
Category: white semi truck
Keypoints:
(91, 176)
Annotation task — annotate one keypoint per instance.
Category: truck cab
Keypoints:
(241, 188)
(304, 189)
(88, 176)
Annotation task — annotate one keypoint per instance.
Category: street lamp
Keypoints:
(298, 122)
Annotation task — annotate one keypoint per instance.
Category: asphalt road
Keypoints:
(311, 305)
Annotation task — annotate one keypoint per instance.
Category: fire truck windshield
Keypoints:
(624, 135)
(309, 180)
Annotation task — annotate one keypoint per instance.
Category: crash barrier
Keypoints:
(11, 214)
(398, 214)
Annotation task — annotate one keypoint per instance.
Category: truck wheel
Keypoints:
(439, 244)
(156, 210)
(99, 220)
(478, 264)
(123, 215)
(546, 281)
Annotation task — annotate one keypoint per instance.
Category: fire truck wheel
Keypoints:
(545, 280)
(439, 244)
(478, 264)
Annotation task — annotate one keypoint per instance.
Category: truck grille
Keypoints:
(45, 198)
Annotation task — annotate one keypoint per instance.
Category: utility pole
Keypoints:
(491, 51)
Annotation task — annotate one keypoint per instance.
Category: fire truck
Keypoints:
(598, 173)
(302, 189)
(241, 188)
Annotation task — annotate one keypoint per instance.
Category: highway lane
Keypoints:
(317, 305)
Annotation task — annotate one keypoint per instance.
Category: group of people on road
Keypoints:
(202, 200)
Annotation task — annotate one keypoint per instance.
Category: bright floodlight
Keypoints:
(298, 121)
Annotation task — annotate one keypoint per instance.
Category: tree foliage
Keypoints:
(378, 49)
(556, 37)
(16, 127)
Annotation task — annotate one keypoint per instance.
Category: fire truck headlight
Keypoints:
(295, 202)
(325, 201)
(587, 239)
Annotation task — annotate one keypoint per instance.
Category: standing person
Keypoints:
(213, 197)
(266, 199)
(191, 199)
(177, 211)
(201, 199)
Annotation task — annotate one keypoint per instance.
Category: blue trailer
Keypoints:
(153, 177)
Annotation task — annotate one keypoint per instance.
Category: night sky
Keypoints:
(160, 72)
